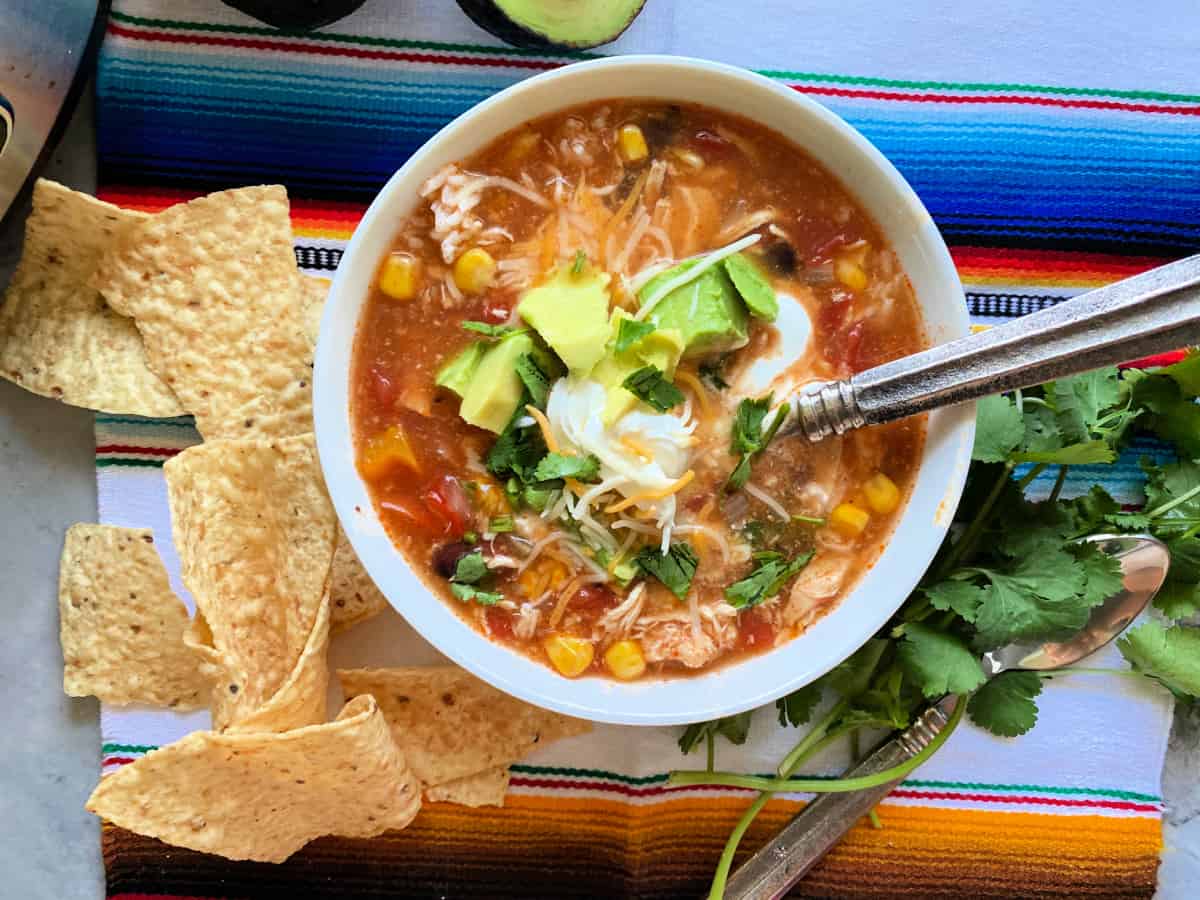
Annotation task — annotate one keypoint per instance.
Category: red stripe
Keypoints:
(340, 50)
(631, 791)
(1024, 800)
(1161, 359)
(119, 760)
(1051, 260)
(140, 451)
(1078, 103)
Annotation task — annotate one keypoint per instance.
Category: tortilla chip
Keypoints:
(352, 593)
(486, 788)
(301, 699)
(314, 289)
(264, 796)
(121, 625)
(58, 337)
(255, 533)
(449, 724)
(216, 294)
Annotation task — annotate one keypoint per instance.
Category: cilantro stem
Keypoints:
(1028, 477)
(1178, 501)
(808, 744)
(721, 876)
(821, 785)
(1058, 483)
(966, 543)
(875, 823)
(710, 750)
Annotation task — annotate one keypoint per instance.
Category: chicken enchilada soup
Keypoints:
(570, 379)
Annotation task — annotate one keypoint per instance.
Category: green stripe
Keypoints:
(571, 54)
(105, 462)
(363, 39)
(174, 421)
(126, 748)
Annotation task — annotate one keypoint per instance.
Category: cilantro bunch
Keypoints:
(1014, 569)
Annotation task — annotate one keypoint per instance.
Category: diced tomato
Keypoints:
(823, 252)
(593, 600)
(755, 631)
(500, 621)
(711, 145)
(412, 515)
(447, 500)
(384, 386)
(496, 313)
(831, 317)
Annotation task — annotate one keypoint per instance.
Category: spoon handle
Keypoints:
(788, 856)
(1150, 313)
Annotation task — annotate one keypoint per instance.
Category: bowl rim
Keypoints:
(600, 698)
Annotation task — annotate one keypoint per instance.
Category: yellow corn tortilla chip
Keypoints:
(352, 593)
(486, 788)
(255, 533)
(314, 289)
(216, 294)
(264, 796)
(121, 625)
(450, 724)
(58, 337)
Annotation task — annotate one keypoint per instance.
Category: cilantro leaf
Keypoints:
(853, 675)
(797, 707)
(1102, 573)
(1170, 655)
(1082, 453)
(740, 474)
(938, 662)
(468, 592)
(1039, 598)
(1173, 416)
(629, 332)
(558, 465)
(999, 429)
(747, 434)
(765, 581)
(1081, 401)
(650, 386)
(961, 596)
(1186, 374)
(489, 330)
(1004, 706)
(675, 570)
(1173, 491)
(710, 373)
(517, 451)
(535, 380)
(734, 729)
(1178, 599)
(501, 525)
(470, 568)
(579, 262)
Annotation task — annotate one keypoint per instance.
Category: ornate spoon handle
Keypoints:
(788, 856)
(1150, 313)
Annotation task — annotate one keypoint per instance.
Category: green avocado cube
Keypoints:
(494, 390)
(570, 312)
(706, 311)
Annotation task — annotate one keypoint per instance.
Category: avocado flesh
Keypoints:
(495, 388)
(569, 24)
(570, 312)
(706, 311)
(661, 348)
(456, 374)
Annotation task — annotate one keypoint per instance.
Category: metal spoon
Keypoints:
(1150, 313)
(785, 859)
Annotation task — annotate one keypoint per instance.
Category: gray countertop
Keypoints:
(50, 846)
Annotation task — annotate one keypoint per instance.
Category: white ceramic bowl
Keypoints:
(756, 680)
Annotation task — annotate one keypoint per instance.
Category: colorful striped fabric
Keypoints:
(1041, 191)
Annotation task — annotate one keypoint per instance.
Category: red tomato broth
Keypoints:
(402, 344)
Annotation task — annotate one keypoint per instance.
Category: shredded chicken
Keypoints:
(671, 636)
(620, 620)
(453, 194)
(817, 584)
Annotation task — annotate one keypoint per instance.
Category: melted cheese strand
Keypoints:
(706, 263)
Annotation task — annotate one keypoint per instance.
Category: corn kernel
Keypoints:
(625, 660)
(849, 520)
(400, 276)
(631, 144)
(689, 159)
(882, 494)
(385, 450)
(474, 271)
(521, 146)
(850, 273)
(570, 655)
(545, 574)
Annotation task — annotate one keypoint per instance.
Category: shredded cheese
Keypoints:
(705, 263)
(637, 447)
(696, 386)
(543, 423)
(679, 484)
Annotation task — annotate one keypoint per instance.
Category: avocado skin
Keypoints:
(492, 19)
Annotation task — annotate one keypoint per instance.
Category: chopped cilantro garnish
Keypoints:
(579, 263)
(468, 592)
(489, 330)
(501, 525)
(748, 438)
(470, 568)
(711, 373)
(558, 465)
(518, 449)
(675, 569)
(470, 537)
(629, 332)
(650, 386)
(767, 579)
(535, 380)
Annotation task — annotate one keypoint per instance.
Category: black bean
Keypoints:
(446, 557)
(781, 257)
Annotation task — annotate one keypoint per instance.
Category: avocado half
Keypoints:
(565, 24)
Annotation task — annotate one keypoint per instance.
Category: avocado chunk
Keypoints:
(569, 24)
(752, 285)
(570, 312)
(495, 388)
(706, 311)
(456, 374)
(661, 348)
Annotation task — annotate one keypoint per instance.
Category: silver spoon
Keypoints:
(788, 856)
(1150, 313)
